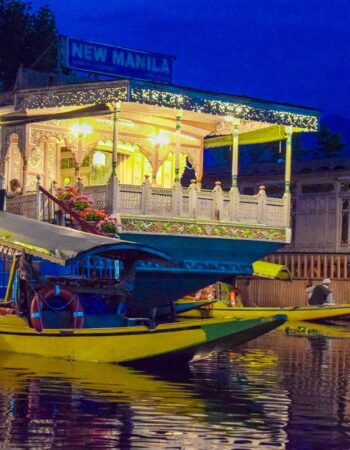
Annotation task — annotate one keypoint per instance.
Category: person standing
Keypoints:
(321, 294)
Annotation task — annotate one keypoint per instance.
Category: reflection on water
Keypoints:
(282, 390)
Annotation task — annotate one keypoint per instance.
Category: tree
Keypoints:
(328, 144)
(26, 37)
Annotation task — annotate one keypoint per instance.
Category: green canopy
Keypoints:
(274, 271)
(262, 135)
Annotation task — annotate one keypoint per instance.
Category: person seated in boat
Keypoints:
(321, 294)
(27, 276)
(125, 287)
(309, 289)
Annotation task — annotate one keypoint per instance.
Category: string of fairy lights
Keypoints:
(163, 96)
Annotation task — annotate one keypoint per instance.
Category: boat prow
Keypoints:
(124, 344)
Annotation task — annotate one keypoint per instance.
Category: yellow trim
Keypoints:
(308, 313)
(11, 278)
(266, 269)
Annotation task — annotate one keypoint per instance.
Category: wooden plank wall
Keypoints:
(261, 292)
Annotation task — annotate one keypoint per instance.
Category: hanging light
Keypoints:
(99, 159)
(83, 129)
(159, 139)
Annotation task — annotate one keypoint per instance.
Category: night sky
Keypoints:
(293, 51)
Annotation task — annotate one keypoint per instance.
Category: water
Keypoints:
(277, 392)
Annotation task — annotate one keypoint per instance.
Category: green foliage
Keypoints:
(25, 36)
(329, 144)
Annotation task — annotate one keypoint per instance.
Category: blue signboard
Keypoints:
(116, 61)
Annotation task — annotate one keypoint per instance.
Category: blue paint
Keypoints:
(116, 61)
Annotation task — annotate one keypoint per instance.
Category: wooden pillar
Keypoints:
(234, 192)
(287, 176)
(178, 145)
(288, 164)
(24, 175)
(116, 116)
(235, 135)
(113, 184)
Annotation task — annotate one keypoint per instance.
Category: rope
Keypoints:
(60, 308)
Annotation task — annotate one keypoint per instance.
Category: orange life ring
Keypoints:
(234, 297)
(70, 300)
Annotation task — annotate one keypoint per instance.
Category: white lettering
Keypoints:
(149, 60)
(77, 50)
(100, 54)
(165, 66)
(118, 58)
(88, 52)
(155, 68)
(140, 62)
(130, 61)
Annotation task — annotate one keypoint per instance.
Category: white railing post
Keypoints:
(262, 205)
(146, 199)
(234, 204)
(38, 213)
(286, 210)
(193, 198)
(177, 199)
(218, 201)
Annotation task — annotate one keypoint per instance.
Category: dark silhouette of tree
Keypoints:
(26, 37)
(329, 144)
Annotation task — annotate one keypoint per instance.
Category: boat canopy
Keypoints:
(266, 269)
(64, 245)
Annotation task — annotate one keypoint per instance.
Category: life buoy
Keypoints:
(234, 297)
(70, 301)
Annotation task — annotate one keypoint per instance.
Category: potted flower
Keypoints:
(80, 202)
(93, 215)
(109, 225)
(65, 194)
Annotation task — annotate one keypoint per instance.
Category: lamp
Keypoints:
(99, 159)
(83, 129)
(160, 139)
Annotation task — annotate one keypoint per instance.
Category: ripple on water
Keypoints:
(277, 391)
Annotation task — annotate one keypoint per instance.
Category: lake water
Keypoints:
(281, 391)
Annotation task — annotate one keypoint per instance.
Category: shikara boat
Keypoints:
(308, 313)
(76, 308)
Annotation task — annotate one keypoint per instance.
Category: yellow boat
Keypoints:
(81, 316)
(308, 313)
(97, 382)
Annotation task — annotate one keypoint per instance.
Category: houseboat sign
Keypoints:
(115, 61)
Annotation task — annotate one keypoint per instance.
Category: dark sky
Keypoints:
(294, 51)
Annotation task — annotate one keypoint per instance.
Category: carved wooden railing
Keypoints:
(314, 266)
(51, 209)
(191, 202)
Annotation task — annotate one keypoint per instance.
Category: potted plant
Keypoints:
(66, 193)
(80, 202)
(109, 226)
(93, 215)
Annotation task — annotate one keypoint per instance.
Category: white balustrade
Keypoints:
(191, 203)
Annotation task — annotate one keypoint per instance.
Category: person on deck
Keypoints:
(15, 188)
(321, 294)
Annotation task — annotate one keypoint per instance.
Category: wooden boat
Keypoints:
(308, 313)
(76, 313)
